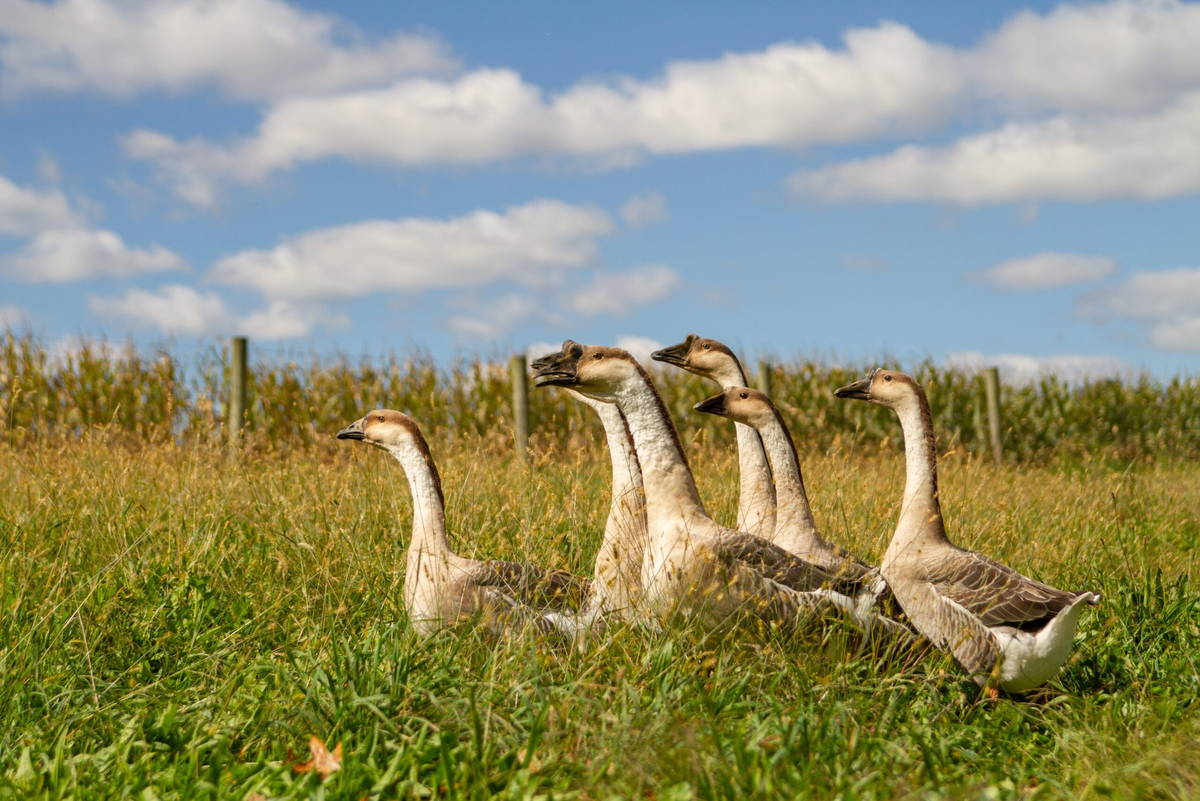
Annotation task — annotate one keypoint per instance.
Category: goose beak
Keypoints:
(544, 362)
(676, 354)
(352, 431)
(714, 405)
(859, 390)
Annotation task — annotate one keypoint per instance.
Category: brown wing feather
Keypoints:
(530, 584)
(781, 565)
(950, 627)
(999, 595)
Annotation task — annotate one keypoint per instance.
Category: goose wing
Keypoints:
(530, 584)
(950, 627)
(997, 594)
(781, 565)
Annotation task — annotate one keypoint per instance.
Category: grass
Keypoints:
(177, 624)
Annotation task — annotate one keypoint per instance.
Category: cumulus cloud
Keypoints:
(1095, 57)
(13, 316)
(643, 210)
(865, 264)
(1047, 270)
(496, 317)
(1166, 303)
(619, 293)
(640, 348)
(73, 254)
(26, 212)
(62, 247)
(884, 80)
(1143, 157)
(523, 244)
(179, 309)
(246, 49)
(1019, 368)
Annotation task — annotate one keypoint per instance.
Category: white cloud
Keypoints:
(492, 319)
(26, 212)
(73, 254)
(1166, 303)
(1048, 271)
(640, 348)
(13, 317)
(1116, 56)
(865, 264)
(1018, 368)
(619, 293)
(885, 80)
(1147, 157)
(524, 244)
(179, 309)
(643, 210)
(247, 49)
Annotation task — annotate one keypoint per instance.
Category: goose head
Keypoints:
(740, 404)
(594, 371)
(881, 387)
(705, 357)
(384, 428)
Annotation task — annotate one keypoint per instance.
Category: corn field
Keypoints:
(296, 404)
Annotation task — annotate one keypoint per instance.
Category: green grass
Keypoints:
(177, 624)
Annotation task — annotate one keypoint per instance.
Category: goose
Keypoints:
(693, 566)
(616, 589)
(441, 587)
(1004, 629)
(795, 527)
(709, 359)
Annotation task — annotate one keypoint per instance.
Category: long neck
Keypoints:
(756, 492)
(429, 512)
(921, 512)
(670, 486)
(795, 515)
(626, 473)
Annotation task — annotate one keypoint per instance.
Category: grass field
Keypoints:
(178, 624)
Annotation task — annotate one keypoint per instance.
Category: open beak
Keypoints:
(859, 390)
(676, 354)
(549, 359)
(714, 405)
(352, 431)
(560, 373)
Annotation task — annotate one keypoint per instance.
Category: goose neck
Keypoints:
(789, 483)
(665, 471)
(921, 511)
(429, 512)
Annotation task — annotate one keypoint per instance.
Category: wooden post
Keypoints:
(237, 388)
(764, 377)
(991, 388)
(519, 377)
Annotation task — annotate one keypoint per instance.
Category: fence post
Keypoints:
(519, 377)
(237, 388)
(991, 388)
(764, 377)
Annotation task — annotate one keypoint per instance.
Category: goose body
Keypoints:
(1005, 629)
(441, 587)
(710, 359)
(693, 566)
(616, 587)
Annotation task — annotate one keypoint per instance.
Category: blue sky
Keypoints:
(1006, 183)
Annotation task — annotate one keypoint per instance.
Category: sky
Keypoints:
(999, 183)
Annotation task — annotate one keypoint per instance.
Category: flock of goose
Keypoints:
(663, 557)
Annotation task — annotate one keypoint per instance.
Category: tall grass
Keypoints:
(294, 404)
(176, 624)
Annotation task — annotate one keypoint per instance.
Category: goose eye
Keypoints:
(380, 418)
(887, 378)
(597, 356)
(745, 395)
(705, 346)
